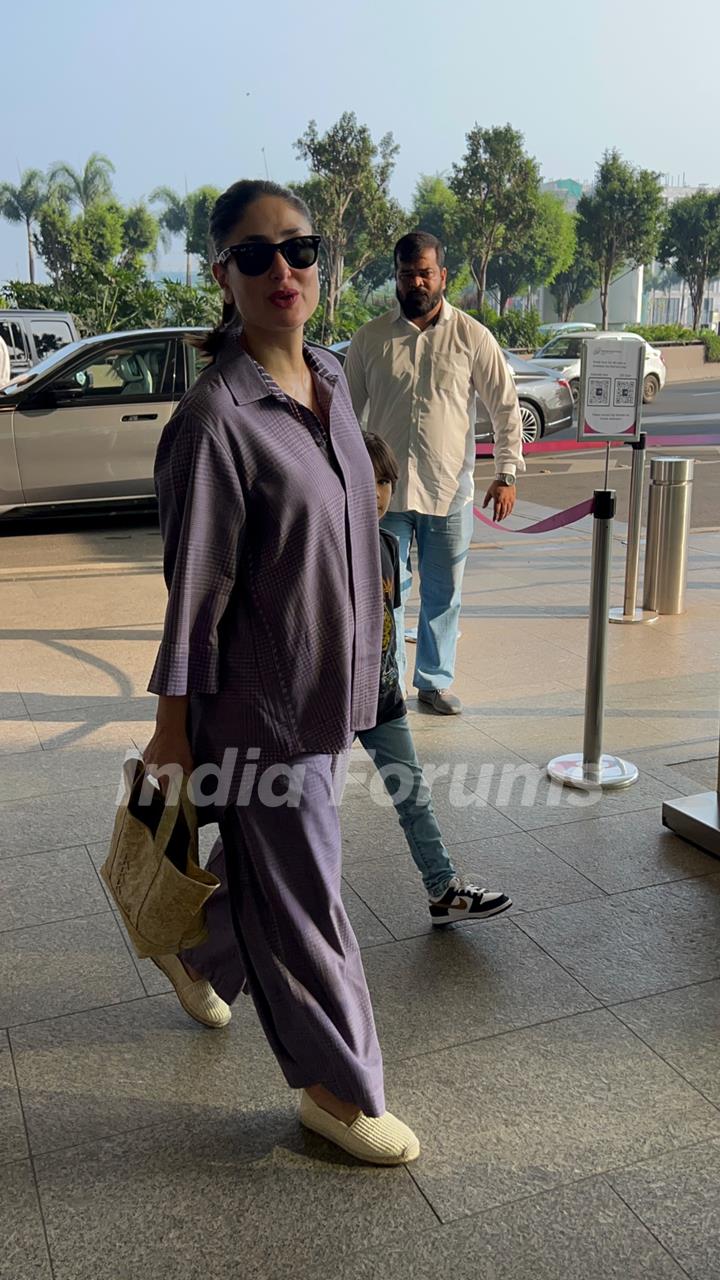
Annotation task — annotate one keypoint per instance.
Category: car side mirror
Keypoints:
(61, 391)
(49, 397)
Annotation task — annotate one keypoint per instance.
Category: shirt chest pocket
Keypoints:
(449, 375)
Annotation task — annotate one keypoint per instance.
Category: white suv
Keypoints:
(562, 354)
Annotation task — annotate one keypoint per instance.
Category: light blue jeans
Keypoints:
(392, 751)
(442, 544)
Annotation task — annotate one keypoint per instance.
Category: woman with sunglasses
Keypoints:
(270, 657)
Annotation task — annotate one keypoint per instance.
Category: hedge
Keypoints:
(676, 333)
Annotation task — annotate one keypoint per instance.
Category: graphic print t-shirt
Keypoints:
(390, 702)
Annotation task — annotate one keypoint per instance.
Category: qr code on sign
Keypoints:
(598, 391)
(625, 389)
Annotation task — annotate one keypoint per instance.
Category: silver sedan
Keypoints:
(545, 399)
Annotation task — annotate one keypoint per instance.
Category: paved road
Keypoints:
(689, 409)
(685, 401)
(559, 481)
(685, 408)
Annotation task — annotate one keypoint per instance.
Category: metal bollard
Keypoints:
(668, 525)
(629, 613)
(596, 674)
(593, 770)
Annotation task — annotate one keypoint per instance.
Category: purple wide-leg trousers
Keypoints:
(278, 928)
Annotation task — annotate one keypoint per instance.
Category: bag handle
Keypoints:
(136, 775)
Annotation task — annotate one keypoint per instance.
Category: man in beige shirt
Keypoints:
(417, 372)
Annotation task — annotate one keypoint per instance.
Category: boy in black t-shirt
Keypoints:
(391, 746)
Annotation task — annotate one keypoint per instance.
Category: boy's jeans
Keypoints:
(392, 749)
(442, 544)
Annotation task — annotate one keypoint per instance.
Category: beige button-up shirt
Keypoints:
(419, 389)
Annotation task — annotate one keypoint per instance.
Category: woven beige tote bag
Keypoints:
(152, 869)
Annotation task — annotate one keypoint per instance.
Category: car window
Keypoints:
(50, 335)
(564, 348)
(120, 373)
(195, 362)
(12, 335)
(38, 371)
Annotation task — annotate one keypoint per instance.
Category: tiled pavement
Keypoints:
(561, 1064)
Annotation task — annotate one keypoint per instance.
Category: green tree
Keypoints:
(620, 221)
(85, 186)
(435, 209)
(348, 194)
(193, 305)
(352, 312)
(18, 293)
(536, 256)
(175, 221)
(202, 201)
(99, 235)
(187, 216)
(575, 284)
(691, 243)
(376, 274)
(120, 299)
(105, 236)
(23, 204)
(140, 234)
(55, 239)
(497, 185)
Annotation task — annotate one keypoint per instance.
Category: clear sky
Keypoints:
(176, 92)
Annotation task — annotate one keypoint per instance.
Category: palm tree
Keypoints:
(176, 219)
(23, 204)
(84, 188)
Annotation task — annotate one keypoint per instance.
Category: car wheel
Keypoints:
(651, 386)
(574, 390)
(532, 427)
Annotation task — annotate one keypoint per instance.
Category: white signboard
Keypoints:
(611, 378)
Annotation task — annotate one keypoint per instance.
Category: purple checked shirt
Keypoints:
(271, 559)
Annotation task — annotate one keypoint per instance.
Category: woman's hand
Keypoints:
(169, 748)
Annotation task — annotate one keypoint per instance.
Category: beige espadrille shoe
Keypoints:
(197, 997)
(378, 1140)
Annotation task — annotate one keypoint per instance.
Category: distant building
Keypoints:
(568, 190)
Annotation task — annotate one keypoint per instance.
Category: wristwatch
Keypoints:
(505, 477)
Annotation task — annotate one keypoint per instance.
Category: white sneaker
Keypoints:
(375, 1139)
(197, 997)
(462, 901)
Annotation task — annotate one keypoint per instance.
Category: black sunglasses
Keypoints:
(255, 257)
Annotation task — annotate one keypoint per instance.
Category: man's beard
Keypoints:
(417, 302)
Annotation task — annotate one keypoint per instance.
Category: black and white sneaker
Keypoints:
(463, 901)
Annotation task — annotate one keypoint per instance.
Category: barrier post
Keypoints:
(628, 612)
(591, 769)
